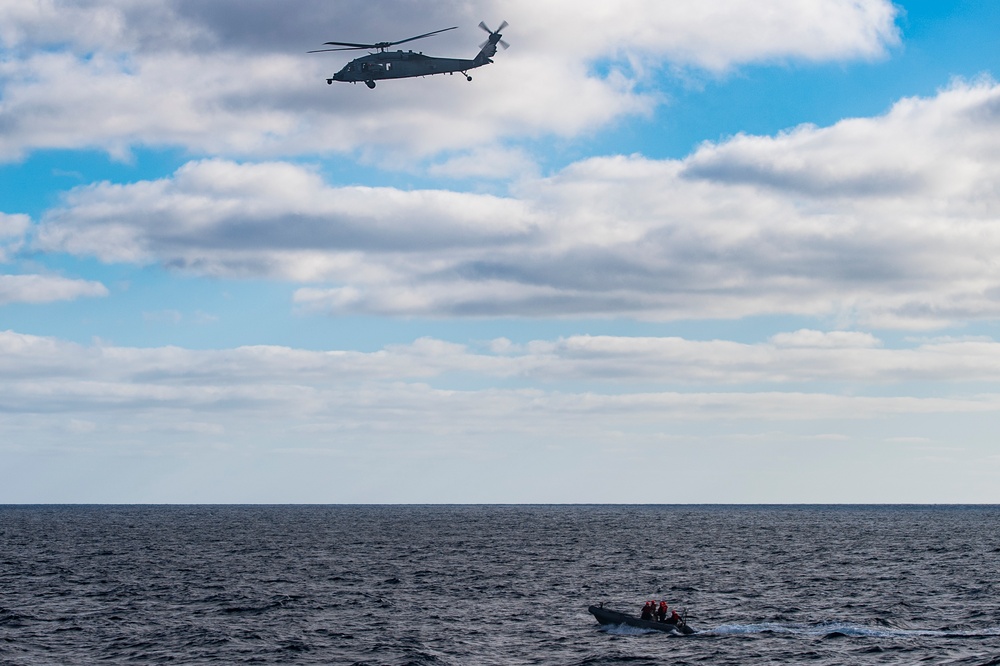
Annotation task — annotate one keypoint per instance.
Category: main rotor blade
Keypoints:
(350, 48)
(427, 34)
(352, 44)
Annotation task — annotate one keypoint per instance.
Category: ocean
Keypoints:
(422, 585)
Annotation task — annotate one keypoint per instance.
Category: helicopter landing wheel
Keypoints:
(370, 83)
(468, 78)
(329, 82)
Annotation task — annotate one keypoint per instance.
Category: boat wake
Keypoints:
(626, 630)
(845, 630)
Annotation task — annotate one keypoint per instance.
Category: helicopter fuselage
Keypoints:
(385, 64)
(402, 65)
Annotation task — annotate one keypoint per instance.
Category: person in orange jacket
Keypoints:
(647, 610)
(661, 612)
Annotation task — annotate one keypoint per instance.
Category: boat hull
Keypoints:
(607, 616)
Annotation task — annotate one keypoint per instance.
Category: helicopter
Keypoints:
(385, 64)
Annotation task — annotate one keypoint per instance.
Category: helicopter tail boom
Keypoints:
(485, 55)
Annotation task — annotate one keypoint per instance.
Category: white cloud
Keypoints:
(13, 226)
(29, 288)
(865, 221)
(344, 390)
(840, 356)
(823, 339)
(229, 78)
(309, 230)
(715, 35)
(642, 363)
(46, 289)
(13, 232)
(942, 148)
(486, 163)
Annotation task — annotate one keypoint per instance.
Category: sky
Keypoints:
(739, 251)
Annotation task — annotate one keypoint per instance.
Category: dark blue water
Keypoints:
(497, 585)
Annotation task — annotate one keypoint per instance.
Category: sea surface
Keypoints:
(497, 584)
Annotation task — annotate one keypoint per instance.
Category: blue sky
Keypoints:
(687, 252)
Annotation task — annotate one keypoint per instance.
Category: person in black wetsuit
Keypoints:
(647, 611)
(661, 612)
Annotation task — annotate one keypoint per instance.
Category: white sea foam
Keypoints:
(853, 630)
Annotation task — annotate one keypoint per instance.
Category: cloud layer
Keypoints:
(887, 221)
(233, 78)
(582, 418)
(432, 384)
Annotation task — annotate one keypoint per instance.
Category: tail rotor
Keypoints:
(495, 36)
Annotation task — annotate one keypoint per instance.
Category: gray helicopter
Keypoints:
(385, 64)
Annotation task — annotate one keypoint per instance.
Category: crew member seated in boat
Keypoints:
(675, 618)
(647, 611)
(661, 612)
